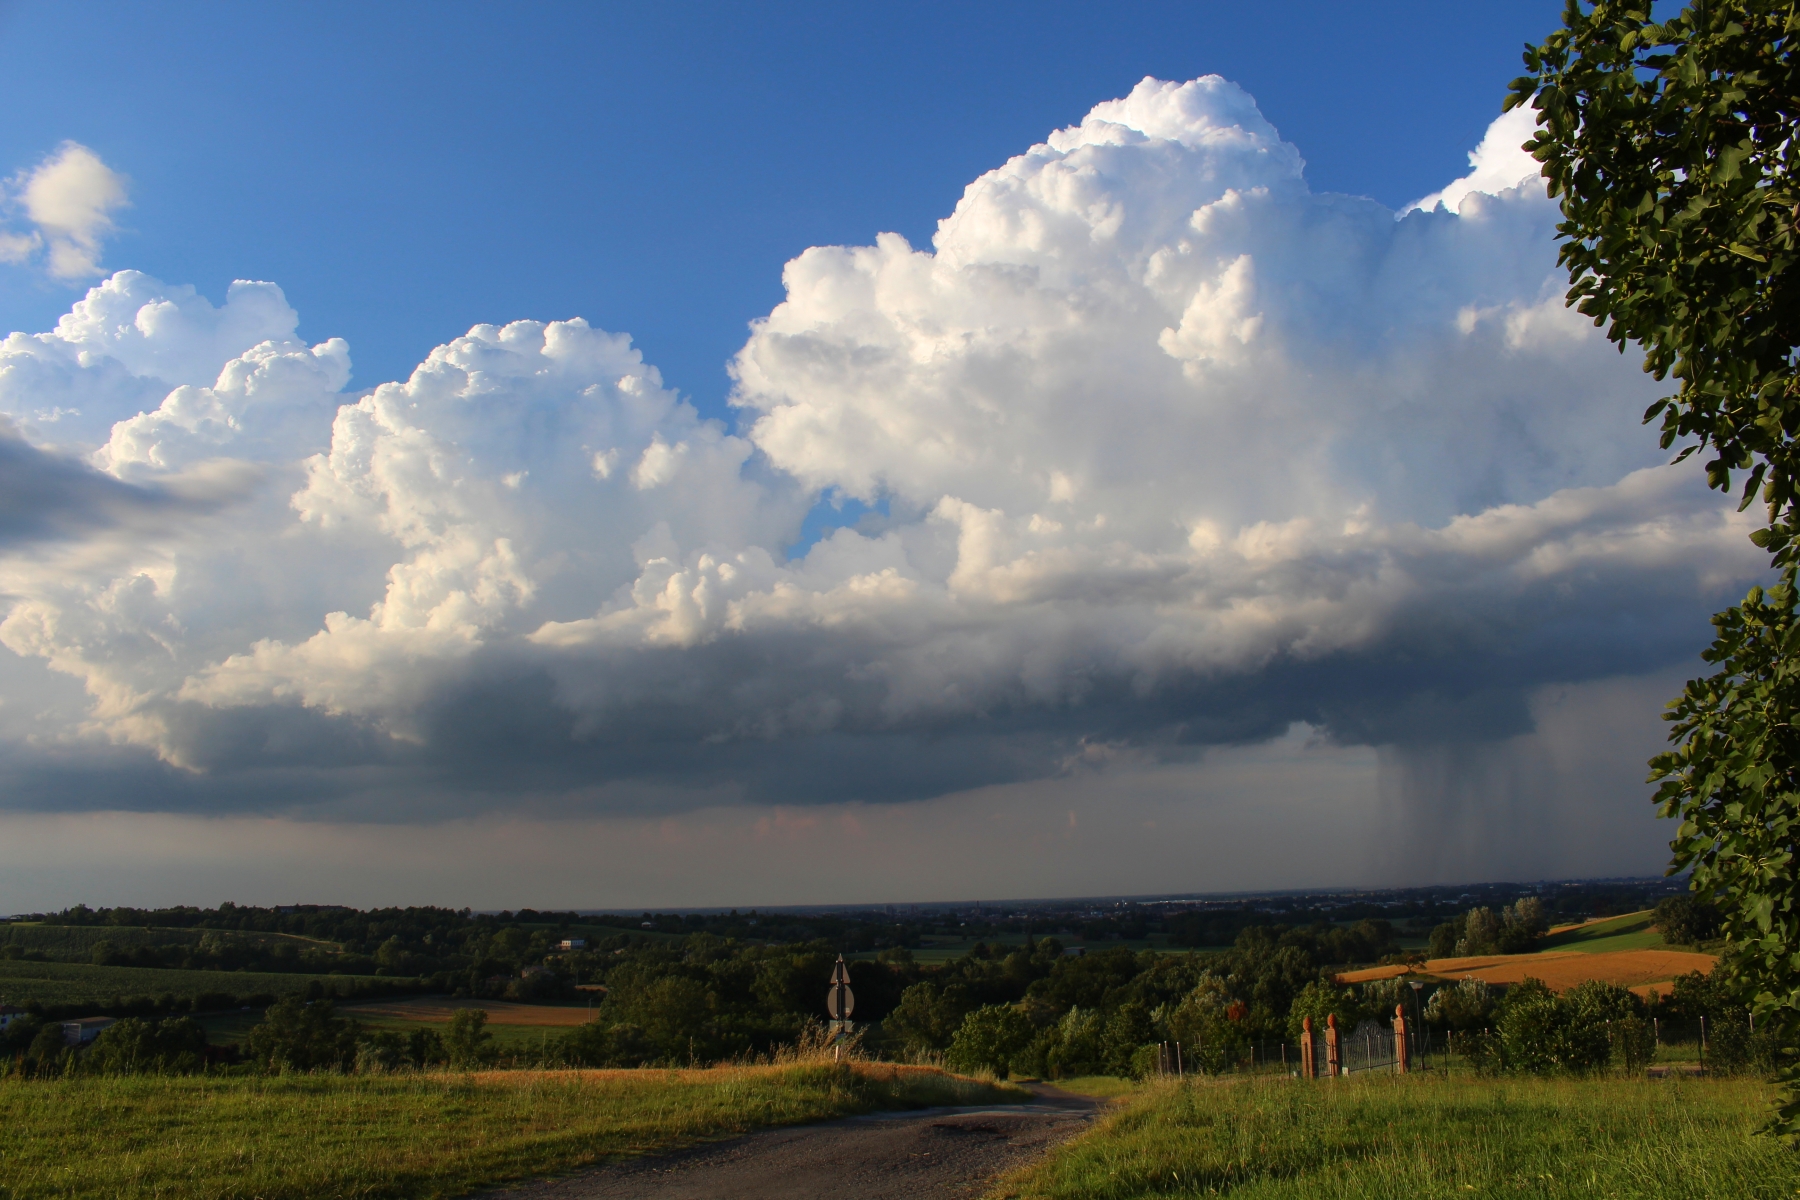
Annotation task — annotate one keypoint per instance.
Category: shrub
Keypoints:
(1541, 1032)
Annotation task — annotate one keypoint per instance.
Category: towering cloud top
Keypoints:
(1162, 449)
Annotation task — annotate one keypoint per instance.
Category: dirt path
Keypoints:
(937, 1153)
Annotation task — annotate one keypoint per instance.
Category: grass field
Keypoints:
(314, 1137)
(84, 983)
(1388, 1138)
(1629, 932)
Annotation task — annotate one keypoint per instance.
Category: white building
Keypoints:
(83, 1031)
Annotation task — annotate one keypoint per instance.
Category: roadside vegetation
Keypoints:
(322, 1135)
(1402, 1137)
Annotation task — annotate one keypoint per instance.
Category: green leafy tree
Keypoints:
(467, 1040)
(48, 1050)
(1077, 1045)
(1128, 1030)
(989, 1039)
(1209, 1023)
(1685, 921)
(927, 1017)
(296, 1035)
(134, 1046)
(1671, 147)
(1320, 999)
(1467, 1004)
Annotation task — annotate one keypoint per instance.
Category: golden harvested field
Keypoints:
(1640, 970)
(437, 1009)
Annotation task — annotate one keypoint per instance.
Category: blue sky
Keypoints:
(405, 171)
(1179, 520)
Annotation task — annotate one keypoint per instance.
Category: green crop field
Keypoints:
(1629, 932)
(63, 983)
(299, 1137)
(1400, 1138)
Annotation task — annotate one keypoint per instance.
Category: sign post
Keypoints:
(840, 1002)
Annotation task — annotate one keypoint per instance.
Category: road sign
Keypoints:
(840, 1002)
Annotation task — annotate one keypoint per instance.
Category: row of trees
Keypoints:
(1030, 1009)
(294, 1035)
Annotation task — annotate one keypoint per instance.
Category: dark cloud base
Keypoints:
(1442, 676)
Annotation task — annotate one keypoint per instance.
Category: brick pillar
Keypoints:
(1402, 1055)
(1334, 1060)
(1309, 1069)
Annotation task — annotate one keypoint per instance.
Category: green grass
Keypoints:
(84, 983)
(412, 1135)
(1629, 932)
(1103, 1087)
(1426, 1136)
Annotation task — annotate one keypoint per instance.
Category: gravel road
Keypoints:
(935, 1153)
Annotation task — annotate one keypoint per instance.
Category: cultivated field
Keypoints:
(64, 983)
(1622, 950)
(307, 1137)
(1401, 1138)
(515, 1027)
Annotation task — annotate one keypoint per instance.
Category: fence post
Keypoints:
(1309, 1069)
(1334, 1059)
(1400, 1047)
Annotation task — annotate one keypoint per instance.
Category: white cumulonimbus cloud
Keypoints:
(68, 200)
(1159, 448)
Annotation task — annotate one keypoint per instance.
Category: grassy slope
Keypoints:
(1416, 1136)
(324, 1136)
(1629, 932)
(84, 983)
